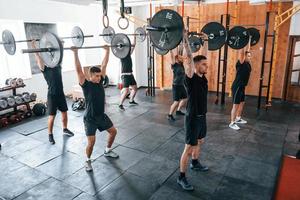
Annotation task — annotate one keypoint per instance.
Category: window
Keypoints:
(295, 78)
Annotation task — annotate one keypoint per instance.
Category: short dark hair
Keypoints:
(95, 69)
(199, 58)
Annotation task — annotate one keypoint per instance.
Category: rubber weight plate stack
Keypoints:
(255, 35)
(9, 42)
(195, 43)
(170, 29)
(238, 37)
(217, 35)
(77, 36)
(120, 45)
(53, 58)
(108, 33)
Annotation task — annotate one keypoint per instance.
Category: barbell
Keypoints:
(109, 32)
(238, 37)
(9, 42)
(51, 48)
(166, 32)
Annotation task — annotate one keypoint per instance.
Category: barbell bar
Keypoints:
(109, 32)
(51, 48)
(9, 42)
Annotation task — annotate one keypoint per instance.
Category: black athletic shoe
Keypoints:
(133, 103)
(184, 184)
(198, 167)
(51, 139)
(179, 112)
(68, 133)
(121, 107)
(171, 118)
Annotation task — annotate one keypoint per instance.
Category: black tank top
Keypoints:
(54, 80)
(243, 71)
(126, 64)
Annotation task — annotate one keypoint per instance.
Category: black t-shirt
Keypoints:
(126, 64)
(54, 80)
(243, 71)
(178, 74)
(94, 99)
(197, 90)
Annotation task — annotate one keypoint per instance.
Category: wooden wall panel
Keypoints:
(247, 14)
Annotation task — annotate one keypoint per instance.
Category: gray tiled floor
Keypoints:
(243, 164)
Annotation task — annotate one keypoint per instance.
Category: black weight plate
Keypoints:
(170, 20)
(255, 35)
(105, 81)
(217, 35)
(195, 43)
(140, 34)
(77, 37)
(51, 41)
(109, 32)
(160, 51)
(9, 43)
(120, 45)
(238, 37)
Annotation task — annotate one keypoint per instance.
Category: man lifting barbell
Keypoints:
(243, 71)
(56, 99)
(128, 80)
(195, 119)
(95, 117)
(178, 89)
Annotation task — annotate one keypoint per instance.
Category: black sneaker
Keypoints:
(171, 118)
(184, 184)
(51, 139)
(68, 133)
(133, 102)
(198, 167)
(121, 107)
(179, 112)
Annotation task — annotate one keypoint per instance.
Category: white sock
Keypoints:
(107, 149)
(88, 159)
(238, 117)
(231, 123)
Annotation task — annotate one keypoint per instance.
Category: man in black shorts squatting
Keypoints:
(178, 89)
(95, 117)
(195, 118)
(56, 99)
(128, 79)
(243, 70)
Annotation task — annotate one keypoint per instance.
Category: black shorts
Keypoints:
(179, 92)
(238, 94)
(128, 80)
(56, 102)
(101, 123)
(195, 129)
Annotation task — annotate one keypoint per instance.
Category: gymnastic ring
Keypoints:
(127, 23)
(105, 21)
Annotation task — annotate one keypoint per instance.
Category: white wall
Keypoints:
(295, 28)
(141, 12)
(89, 18)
